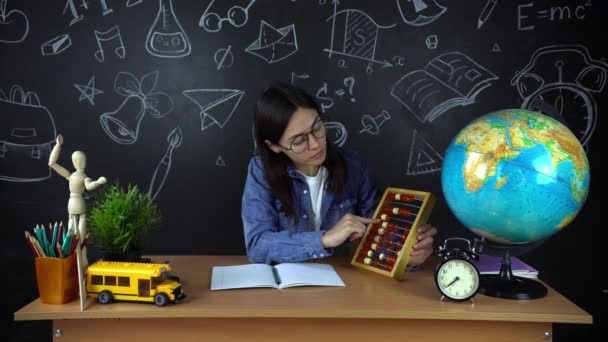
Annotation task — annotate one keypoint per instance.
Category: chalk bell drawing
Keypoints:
(216, 105)
(166, 37)
(27, 130)
(122, 125)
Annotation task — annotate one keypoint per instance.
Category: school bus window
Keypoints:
(96, 280)
(110, 280)
(124, 281)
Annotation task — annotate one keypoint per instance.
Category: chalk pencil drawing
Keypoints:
(122, 125)
(28, 131)
(449, 80)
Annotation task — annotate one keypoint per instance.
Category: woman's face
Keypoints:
(301, 135)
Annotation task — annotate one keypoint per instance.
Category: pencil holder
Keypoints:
(57, 279)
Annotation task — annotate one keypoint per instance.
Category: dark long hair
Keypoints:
(274, 108)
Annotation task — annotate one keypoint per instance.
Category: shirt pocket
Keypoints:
(284, 222)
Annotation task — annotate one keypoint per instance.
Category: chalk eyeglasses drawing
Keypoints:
(219, 12)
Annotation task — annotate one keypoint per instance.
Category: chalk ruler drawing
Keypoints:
(14, 25)
(452, 79)
(216, 105)
(354, 34)
(274, 45)
(216, 15)
(166, 37)
(419, 12)
(565, 77)
(27, 130)
(423, 157)
(122, 125)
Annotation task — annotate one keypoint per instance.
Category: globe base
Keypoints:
(515, 288)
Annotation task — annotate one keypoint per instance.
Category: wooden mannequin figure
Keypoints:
(78, 182)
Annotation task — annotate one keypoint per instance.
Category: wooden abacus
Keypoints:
(386, 246)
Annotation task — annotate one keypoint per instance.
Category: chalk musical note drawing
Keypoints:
(371, 124)
(110, 36)
(88, 92)
(28, 131)
(336, 133)
(76, 17)
(220, 162)
(274, 45)
(122, 125)
(564, 77)
(56, 45)
(14, 25)
(174, 140)
(419, 12)
(354, 35)
(166, 37)
(423, 157)
(452, 79)
(216, 105)
(236, 15)
(223, 58)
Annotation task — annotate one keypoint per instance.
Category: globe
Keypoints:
(515, 176)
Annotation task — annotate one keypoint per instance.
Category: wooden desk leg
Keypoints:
(309, 329)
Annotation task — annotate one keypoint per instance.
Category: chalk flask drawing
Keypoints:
(166, 37)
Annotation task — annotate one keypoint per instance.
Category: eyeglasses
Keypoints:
(300, 141)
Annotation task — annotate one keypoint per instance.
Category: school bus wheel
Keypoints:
(161, 299)
(105, 297)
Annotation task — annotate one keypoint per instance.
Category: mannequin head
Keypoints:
(79, 160)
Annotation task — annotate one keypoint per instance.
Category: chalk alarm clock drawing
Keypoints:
(133, 281)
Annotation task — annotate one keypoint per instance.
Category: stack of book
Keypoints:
(489, 264)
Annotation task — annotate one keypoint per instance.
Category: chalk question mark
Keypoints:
(350, 83)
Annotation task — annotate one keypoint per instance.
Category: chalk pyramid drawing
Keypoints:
(274, 44)
(216, 105)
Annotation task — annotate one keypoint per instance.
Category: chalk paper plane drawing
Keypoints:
(27, 130)
(354, 34)
(110, 37)
(216, 105)
(452, 79)
(122, 125)
(88, 92)
(166, 37)
(423, 157)
(174, 140)
(235, 12)
(14, 25)
(419, 12)
(564, 78)
(56, 45)
(371, 124)
(274, 45)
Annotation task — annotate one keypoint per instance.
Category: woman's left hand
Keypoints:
(424, 247)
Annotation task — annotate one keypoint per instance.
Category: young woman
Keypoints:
(303, 197)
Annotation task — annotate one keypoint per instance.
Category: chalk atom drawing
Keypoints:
(423, 157)
(216, 105)
(274, 45)
(452, 79)
(88, 92)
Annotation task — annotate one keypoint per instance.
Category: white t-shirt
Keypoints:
(316, 185)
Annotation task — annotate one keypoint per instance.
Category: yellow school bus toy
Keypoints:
(132, 281)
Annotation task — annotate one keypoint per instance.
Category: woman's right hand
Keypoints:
(350, 226)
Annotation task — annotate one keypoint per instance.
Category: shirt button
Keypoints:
(314, 255)
(341, 206)
(322, 255)
(304, 216)
(305, 191)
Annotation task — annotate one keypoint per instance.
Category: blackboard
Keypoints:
(184, 75)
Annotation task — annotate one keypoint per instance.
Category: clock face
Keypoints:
(457, 279)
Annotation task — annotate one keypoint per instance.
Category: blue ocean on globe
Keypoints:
(515, 176)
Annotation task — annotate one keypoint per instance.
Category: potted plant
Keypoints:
(120, 220)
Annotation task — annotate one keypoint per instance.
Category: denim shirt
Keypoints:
(271, 236)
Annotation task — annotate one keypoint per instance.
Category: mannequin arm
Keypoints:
(55, 155)
(92, 185)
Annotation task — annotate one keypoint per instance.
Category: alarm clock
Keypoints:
(456, 277)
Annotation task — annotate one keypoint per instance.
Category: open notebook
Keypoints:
(279, 276)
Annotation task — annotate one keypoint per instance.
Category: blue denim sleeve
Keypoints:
(265, 240)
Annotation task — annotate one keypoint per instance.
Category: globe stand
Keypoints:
(505, 284)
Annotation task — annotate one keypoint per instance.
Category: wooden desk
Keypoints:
(370, 308)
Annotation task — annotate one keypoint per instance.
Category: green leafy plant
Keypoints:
(120, 219)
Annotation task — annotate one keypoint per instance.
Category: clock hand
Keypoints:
(452, 282)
